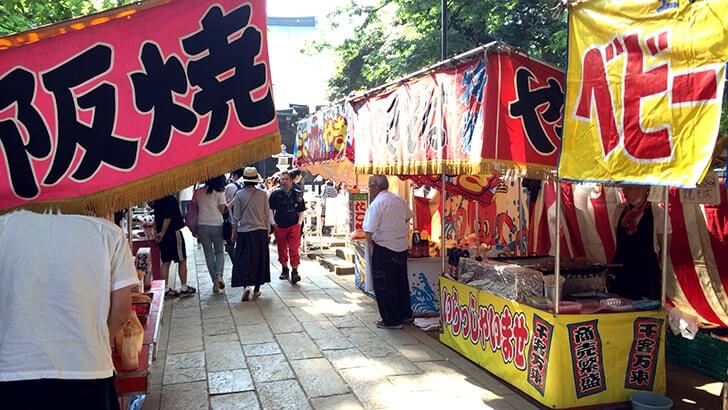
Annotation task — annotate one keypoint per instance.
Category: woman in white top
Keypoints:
(210, 201)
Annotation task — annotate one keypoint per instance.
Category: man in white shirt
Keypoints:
(65, 292)
(385, 224)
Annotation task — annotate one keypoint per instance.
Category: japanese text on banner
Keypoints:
(644, 90)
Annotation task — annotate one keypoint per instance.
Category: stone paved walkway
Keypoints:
(310, 346)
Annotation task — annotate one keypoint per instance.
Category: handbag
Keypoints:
(191, 217)
(227, 226)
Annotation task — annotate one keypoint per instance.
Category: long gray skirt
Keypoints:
(251, 264)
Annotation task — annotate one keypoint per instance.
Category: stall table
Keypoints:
(561, 361)
(137, 381)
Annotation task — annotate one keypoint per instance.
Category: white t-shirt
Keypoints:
(57, 273)
(208, 207)
(386, 219)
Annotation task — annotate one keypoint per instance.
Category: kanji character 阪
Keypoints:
(98, 141)
(18, 87)
(234, 59)
(154, 90)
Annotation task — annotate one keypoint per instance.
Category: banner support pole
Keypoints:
(443, 248)
(663, 293)
(557, 263)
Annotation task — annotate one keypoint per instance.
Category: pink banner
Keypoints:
(134, 103)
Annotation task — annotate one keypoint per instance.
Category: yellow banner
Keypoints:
(561, 361)
(644, 90)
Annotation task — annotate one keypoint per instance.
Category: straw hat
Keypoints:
(251, 175)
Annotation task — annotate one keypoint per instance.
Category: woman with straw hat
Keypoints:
(251, 264)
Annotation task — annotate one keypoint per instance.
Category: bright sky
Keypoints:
(299, 78)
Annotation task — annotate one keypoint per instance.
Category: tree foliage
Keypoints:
(21, 15)
(396, 37)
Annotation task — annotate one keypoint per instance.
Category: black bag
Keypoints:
(227, 226)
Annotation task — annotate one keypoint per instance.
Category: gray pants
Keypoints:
(213, 245)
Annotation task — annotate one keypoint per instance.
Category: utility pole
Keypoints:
(443, 29)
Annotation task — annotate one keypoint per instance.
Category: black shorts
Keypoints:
(172, 247)
(97, 394)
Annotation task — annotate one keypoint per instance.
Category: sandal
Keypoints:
(171, 293)
(246, 295)
(221, 281)
(189, 291)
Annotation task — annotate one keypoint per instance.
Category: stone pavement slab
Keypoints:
(236, 401)
(270, 368)
(282, 395)
(318, 378)
(343, 402)
(230, 381)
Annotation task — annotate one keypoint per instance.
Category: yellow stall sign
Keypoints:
(561, 361)
(645, 85)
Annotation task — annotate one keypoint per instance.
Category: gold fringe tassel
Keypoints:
(159, 185)
(452, 168)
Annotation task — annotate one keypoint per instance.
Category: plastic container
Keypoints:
(649, 401)
(549, 286)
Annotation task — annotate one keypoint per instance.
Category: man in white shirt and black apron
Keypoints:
(385, 224)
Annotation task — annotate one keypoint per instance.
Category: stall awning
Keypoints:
(129, 105)
(489, 109)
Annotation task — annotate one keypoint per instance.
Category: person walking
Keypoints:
(287, 206)
(65, 293)
(228, 232)
(250, 216)
(210, 201)
(329, 192)
(385, 224)
(169, 222)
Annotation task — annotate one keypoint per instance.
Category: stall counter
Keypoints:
(423, 274)
(562, 361)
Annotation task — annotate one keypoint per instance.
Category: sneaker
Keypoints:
(284, 273)
(382, 325)
(187, 292)
(294, 277)
(171, 293)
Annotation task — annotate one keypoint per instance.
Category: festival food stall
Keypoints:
(123, 107)
(323, 148)
(495, 313)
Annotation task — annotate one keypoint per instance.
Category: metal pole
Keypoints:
(519, 232)
(666, 201)
(443, 249)
(557, 263)
(443, 193)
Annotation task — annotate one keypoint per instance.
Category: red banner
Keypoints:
(123, 107)
(499, 110)
(524, 102)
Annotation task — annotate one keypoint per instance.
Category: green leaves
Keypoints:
(401, 36)
(22, 15)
